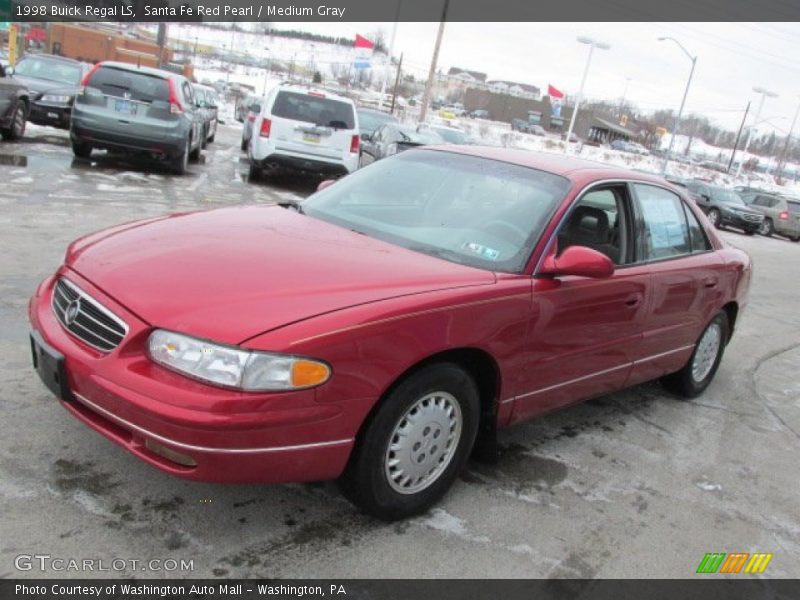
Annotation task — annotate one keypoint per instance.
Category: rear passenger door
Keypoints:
(685, 282)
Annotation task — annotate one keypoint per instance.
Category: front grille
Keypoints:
(87, 319)
(752, 218)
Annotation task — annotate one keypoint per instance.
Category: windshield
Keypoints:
(369, 121)
(465, 209)
(727, 196)
(319, 110)
(50, 70)
(409, 135)
(453, 136)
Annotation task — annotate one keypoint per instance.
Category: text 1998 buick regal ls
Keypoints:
(379, 329)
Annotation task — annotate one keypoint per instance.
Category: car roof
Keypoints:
(146, 70)
(558, 164)
(63, 59)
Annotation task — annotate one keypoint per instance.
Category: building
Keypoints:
(512, 88)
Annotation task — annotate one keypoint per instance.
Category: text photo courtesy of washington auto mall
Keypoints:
(299, 300)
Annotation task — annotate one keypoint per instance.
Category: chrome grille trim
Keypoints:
(92, 323)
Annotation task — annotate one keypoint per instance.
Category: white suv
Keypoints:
(305, 129)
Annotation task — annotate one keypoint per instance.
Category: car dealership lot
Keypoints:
(637, 484)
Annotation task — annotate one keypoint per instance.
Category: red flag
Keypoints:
(553, 92)
(362, 42)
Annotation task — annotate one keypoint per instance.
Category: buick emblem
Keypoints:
(71, 313)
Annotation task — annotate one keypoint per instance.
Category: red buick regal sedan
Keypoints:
(379, 330)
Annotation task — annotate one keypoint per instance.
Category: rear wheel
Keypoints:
(244, 145)
(714, 217)
(194, 155)
(16, 129)
(254, 174)
(767, 228)
(180, 164)
(204, 139)
(697, 373)
(414, 444)
(81, 150)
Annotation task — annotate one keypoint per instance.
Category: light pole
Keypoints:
(683, 102)
(782, 161)
(624, 94)
(592, 45)
(764, 95)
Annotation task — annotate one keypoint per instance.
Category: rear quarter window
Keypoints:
(793, 206)
(136, 85)
(325, 112)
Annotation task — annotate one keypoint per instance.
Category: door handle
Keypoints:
(633, 300)
(710, 282)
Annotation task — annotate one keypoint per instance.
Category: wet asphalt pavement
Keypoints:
(636, 484)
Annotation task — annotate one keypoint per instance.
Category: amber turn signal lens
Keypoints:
(306, 373)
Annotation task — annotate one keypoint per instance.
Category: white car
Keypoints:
(305, 129)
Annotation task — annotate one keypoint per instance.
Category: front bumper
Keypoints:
(53, 115)
(186, 428)
(733, 220)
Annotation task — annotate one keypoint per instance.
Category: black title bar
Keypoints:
(399, 10)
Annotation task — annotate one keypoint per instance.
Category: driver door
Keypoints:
(583, 332)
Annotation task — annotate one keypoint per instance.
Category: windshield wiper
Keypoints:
(293, 204)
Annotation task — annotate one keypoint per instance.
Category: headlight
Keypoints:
(229, 366)
(56, 99)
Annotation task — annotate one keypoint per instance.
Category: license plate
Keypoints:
(125, 106)
(52, 115)
(312, 138)
(50, 365)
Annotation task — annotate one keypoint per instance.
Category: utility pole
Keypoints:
(426, 97)
(396, 83)
(738, 135)
(782, 161)
(764, 95)
(161, 40)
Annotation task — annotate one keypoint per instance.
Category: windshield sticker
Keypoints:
(482, 251)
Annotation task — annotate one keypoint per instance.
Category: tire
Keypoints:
(795, 239)
(81, 150)
(376, 478)
(767, 228)
(16, 129)
(244, 145)
(254, 174)
(180, 164)
(699, 370)
(194, 155)
(204, 140)
(715, 217)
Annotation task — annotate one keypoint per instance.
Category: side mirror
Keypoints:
(365, 137)
(580, 261)
(324, 184)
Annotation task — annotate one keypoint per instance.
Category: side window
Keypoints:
(599, 221)
(697, 236)
(187, 93)
(773, 202)
(377, 135)
(664, 230)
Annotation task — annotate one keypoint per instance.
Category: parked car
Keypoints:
(390, 139)
(370, 119)
(628, 146)
(253, 108)
(305, 129)
(520, 125)
(207, 102)
(572, 137)
(14, 103)
(714, 166)
(479, 114)
(137, 110)
(412, 309)
(53, 81)
(724, 207)
(449, 135)
(781, 214)
(243, 105)
(638, 148)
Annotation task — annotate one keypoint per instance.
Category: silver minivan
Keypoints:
(142, 110)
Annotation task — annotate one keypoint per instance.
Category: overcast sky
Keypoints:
(732, 58)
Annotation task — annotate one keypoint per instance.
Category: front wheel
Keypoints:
(766, 228)
(414, 444)
(16, 129)
(715, 217)
(81, 150)
(697, 373)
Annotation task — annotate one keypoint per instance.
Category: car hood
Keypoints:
(41, 86)
(751, 210)
(234, 273)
